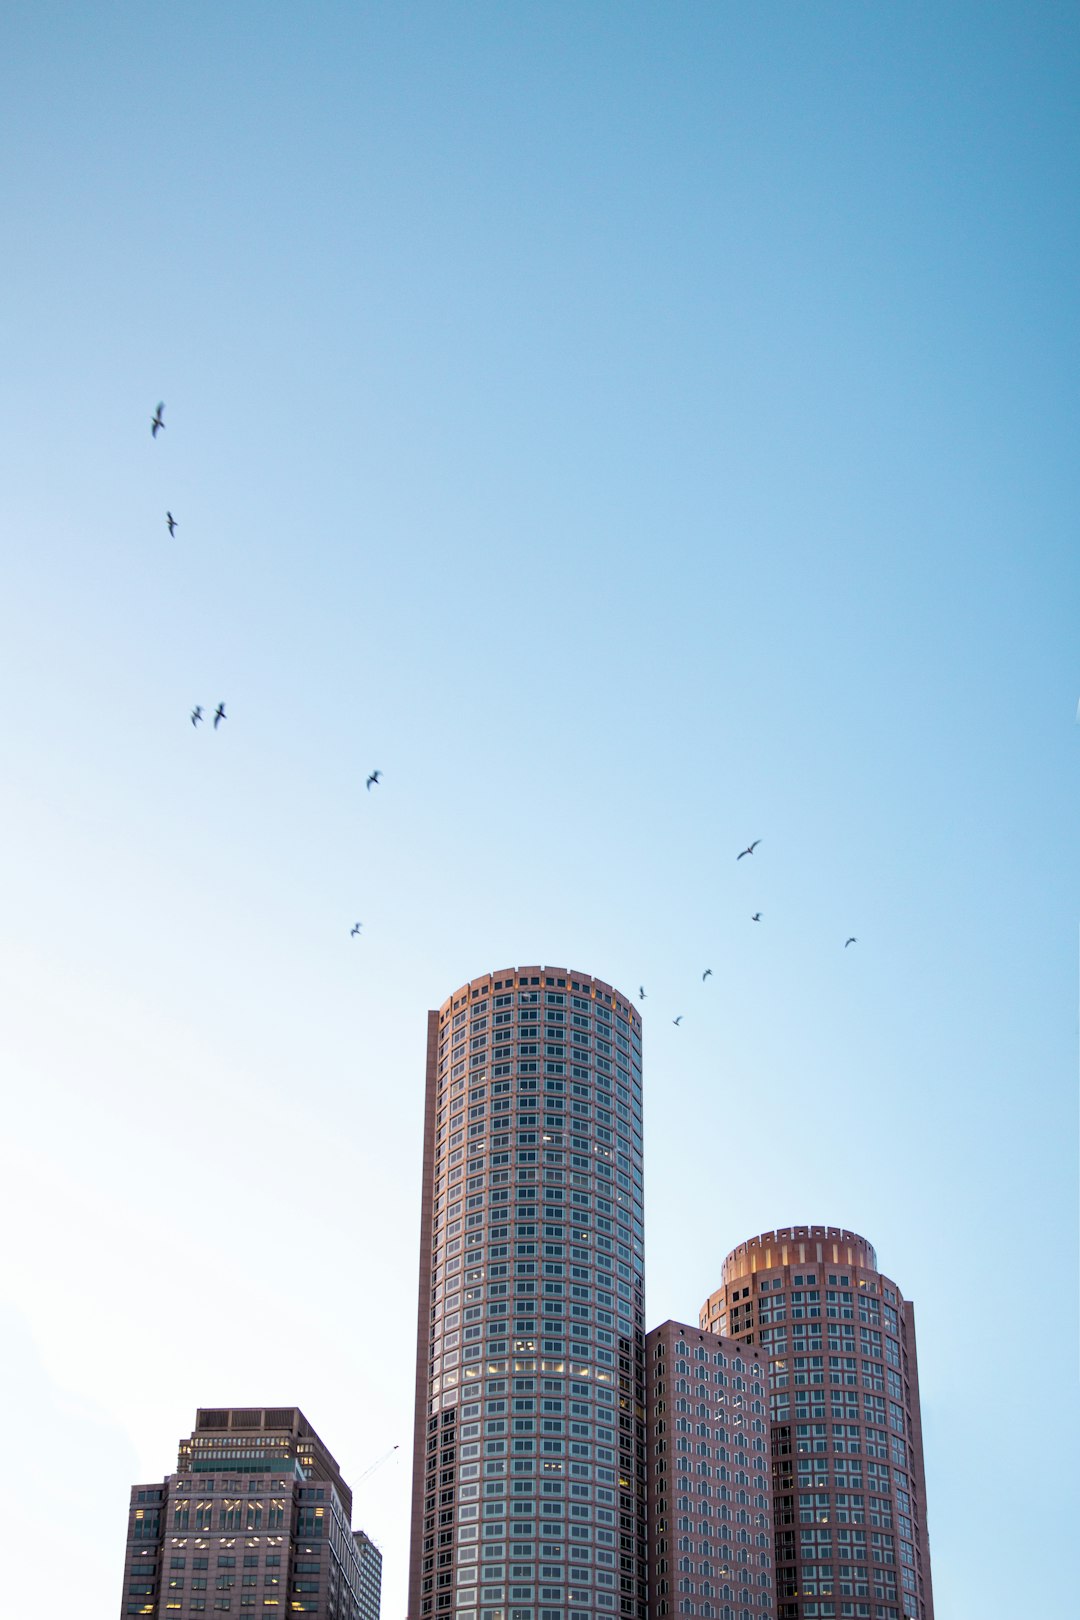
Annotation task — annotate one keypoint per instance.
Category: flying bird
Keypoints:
(749, 850)
(219, 714)
(155, 420)
(171, 521)
(356, 927)
(374, 777)
(641, 992)
(196, 714)
(756, 917)
(851, 941)
(677, 1021)
(706, 975)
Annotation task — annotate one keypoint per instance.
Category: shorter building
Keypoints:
(710, 1491)
(370, 1575)
(256, 1520)
(849, 1492)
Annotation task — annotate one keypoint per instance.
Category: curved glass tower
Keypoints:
(849, 1491)
(529, 1450)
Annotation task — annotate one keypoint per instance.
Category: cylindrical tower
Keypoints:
(529, 1450)
(849, 1492)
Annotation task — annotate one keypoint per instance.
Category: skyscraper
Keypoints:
(849, 1492)
(256, 1520)
(710, 1491)
(529, 1450)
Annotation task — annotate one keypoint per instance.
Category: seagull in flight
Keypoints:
(196, 714)
(374, 777)
(756, 917)
(706, 975)
(171, 521)
(155, 420)
(677, 1021)
(851, 941)
(749, 850)
(355, 929)
(219, 714)
(641, 992)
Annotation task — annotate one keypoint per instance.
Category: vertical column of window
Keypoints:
(526, 1215)
(872, 1435)
(784, 1444)
(431, 1466)
(848, 1481)
(905, 1515)
(445, 1128)
(500, 1179)
(492, 1562)
(438, 1187)
(637, 1264)
(570, 1028)
(608, 1200)
(553, 1188)
(444, 1521)
(522, 1504)
(467, 1550)
(447, 1147)
(499, 1277)
(528, 1032)
(554, 1216)
(618, 1206)
(502, 1036)
(476, 1192)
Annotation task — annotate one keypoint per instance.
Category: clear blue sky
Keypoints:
(636, 429)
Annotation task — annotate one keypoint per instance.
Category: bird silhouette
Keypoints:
(356, 927)
(677, 1021)
(374, 777)
(756, 917)
(155, 420)
(749, 850)
(171, 521)
(706, 975)
(196, 714)
(851, 941)
(219, 714)
(641, 992)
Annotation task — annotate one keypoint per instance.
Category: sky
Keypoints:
(634, 429)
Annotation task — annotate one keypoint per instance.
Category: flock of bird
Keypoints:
(219, 715)
(157, 425)
(754, 917)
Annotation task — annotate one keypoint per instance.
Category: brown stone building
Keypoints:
(849, 1493)
(256, 1520)
(529, 1447)
(710, 1487)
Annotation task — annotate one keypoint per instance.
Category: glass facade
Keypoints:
(529, 1462)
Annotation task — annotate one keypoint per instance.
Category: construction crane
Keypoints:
(376, 1464)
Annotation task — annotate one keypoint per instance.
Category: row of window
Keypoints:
(226, 1561)
(231, 1515)
(588, 998)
